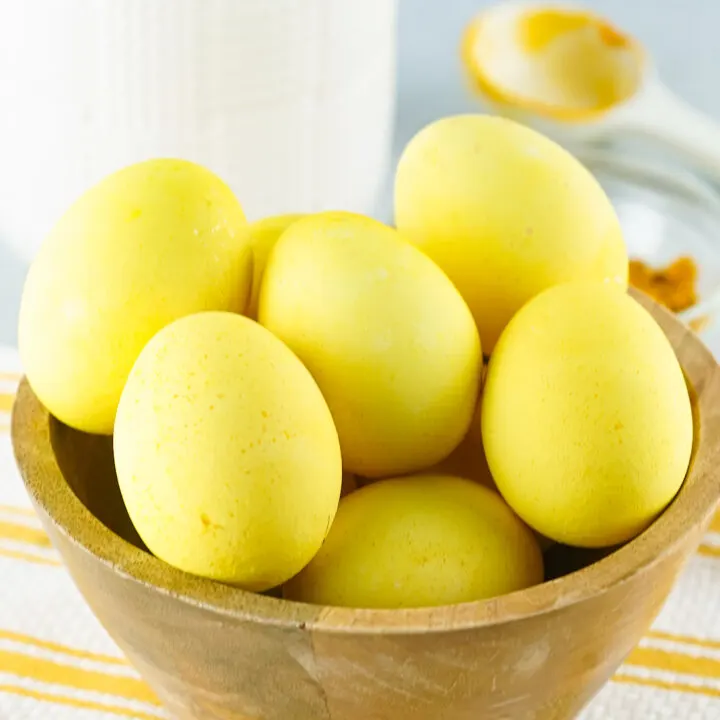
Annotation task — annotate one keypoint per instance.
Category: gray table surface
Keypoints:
(680, 33)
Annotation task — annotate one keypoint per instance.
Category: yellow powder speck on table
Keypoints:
(674, 286)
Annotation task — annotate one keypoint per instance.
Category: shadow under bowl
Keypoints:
(214, 652)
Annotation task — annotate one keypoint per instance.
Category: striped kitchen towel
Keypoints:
(57, 663)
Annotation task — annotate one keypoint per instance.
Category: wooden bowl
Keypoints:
(213, 652)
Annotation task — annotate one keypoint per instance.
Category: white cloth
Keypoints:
(57, 663)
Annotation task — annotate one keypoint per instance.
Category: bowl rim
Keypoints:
(689, 512)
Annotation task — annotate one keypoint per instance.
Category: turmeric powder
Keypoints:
(674, 286)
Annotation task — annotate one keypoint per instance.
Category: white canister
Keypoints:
(291, 102)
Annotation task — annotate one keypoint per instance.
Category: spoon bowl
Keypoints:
(575, 77)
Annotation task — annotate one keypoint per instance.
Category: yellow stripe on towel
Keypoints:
(13, 636)
(687, 639)
(674, 662)
(15, 510)
(25, 534)
(715, 524)
(665, 685)
(70, 676)
(79, 704)
(709, 550)
(27, 557)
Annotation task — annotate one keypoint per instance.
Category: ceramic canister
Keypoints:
(290, 101)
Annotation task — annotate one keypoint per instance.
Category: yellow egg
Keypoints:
(467, 460)
(506, 213)
(149, 244)
(418, 542)
(226, 454)
(612, 263)
(386, 335)
(264, 234)
(586, 418)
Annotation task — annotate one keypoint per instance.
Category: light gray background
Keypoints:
(682, 35)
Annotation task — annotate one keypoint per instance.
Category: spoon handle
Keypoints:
(663, 116)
